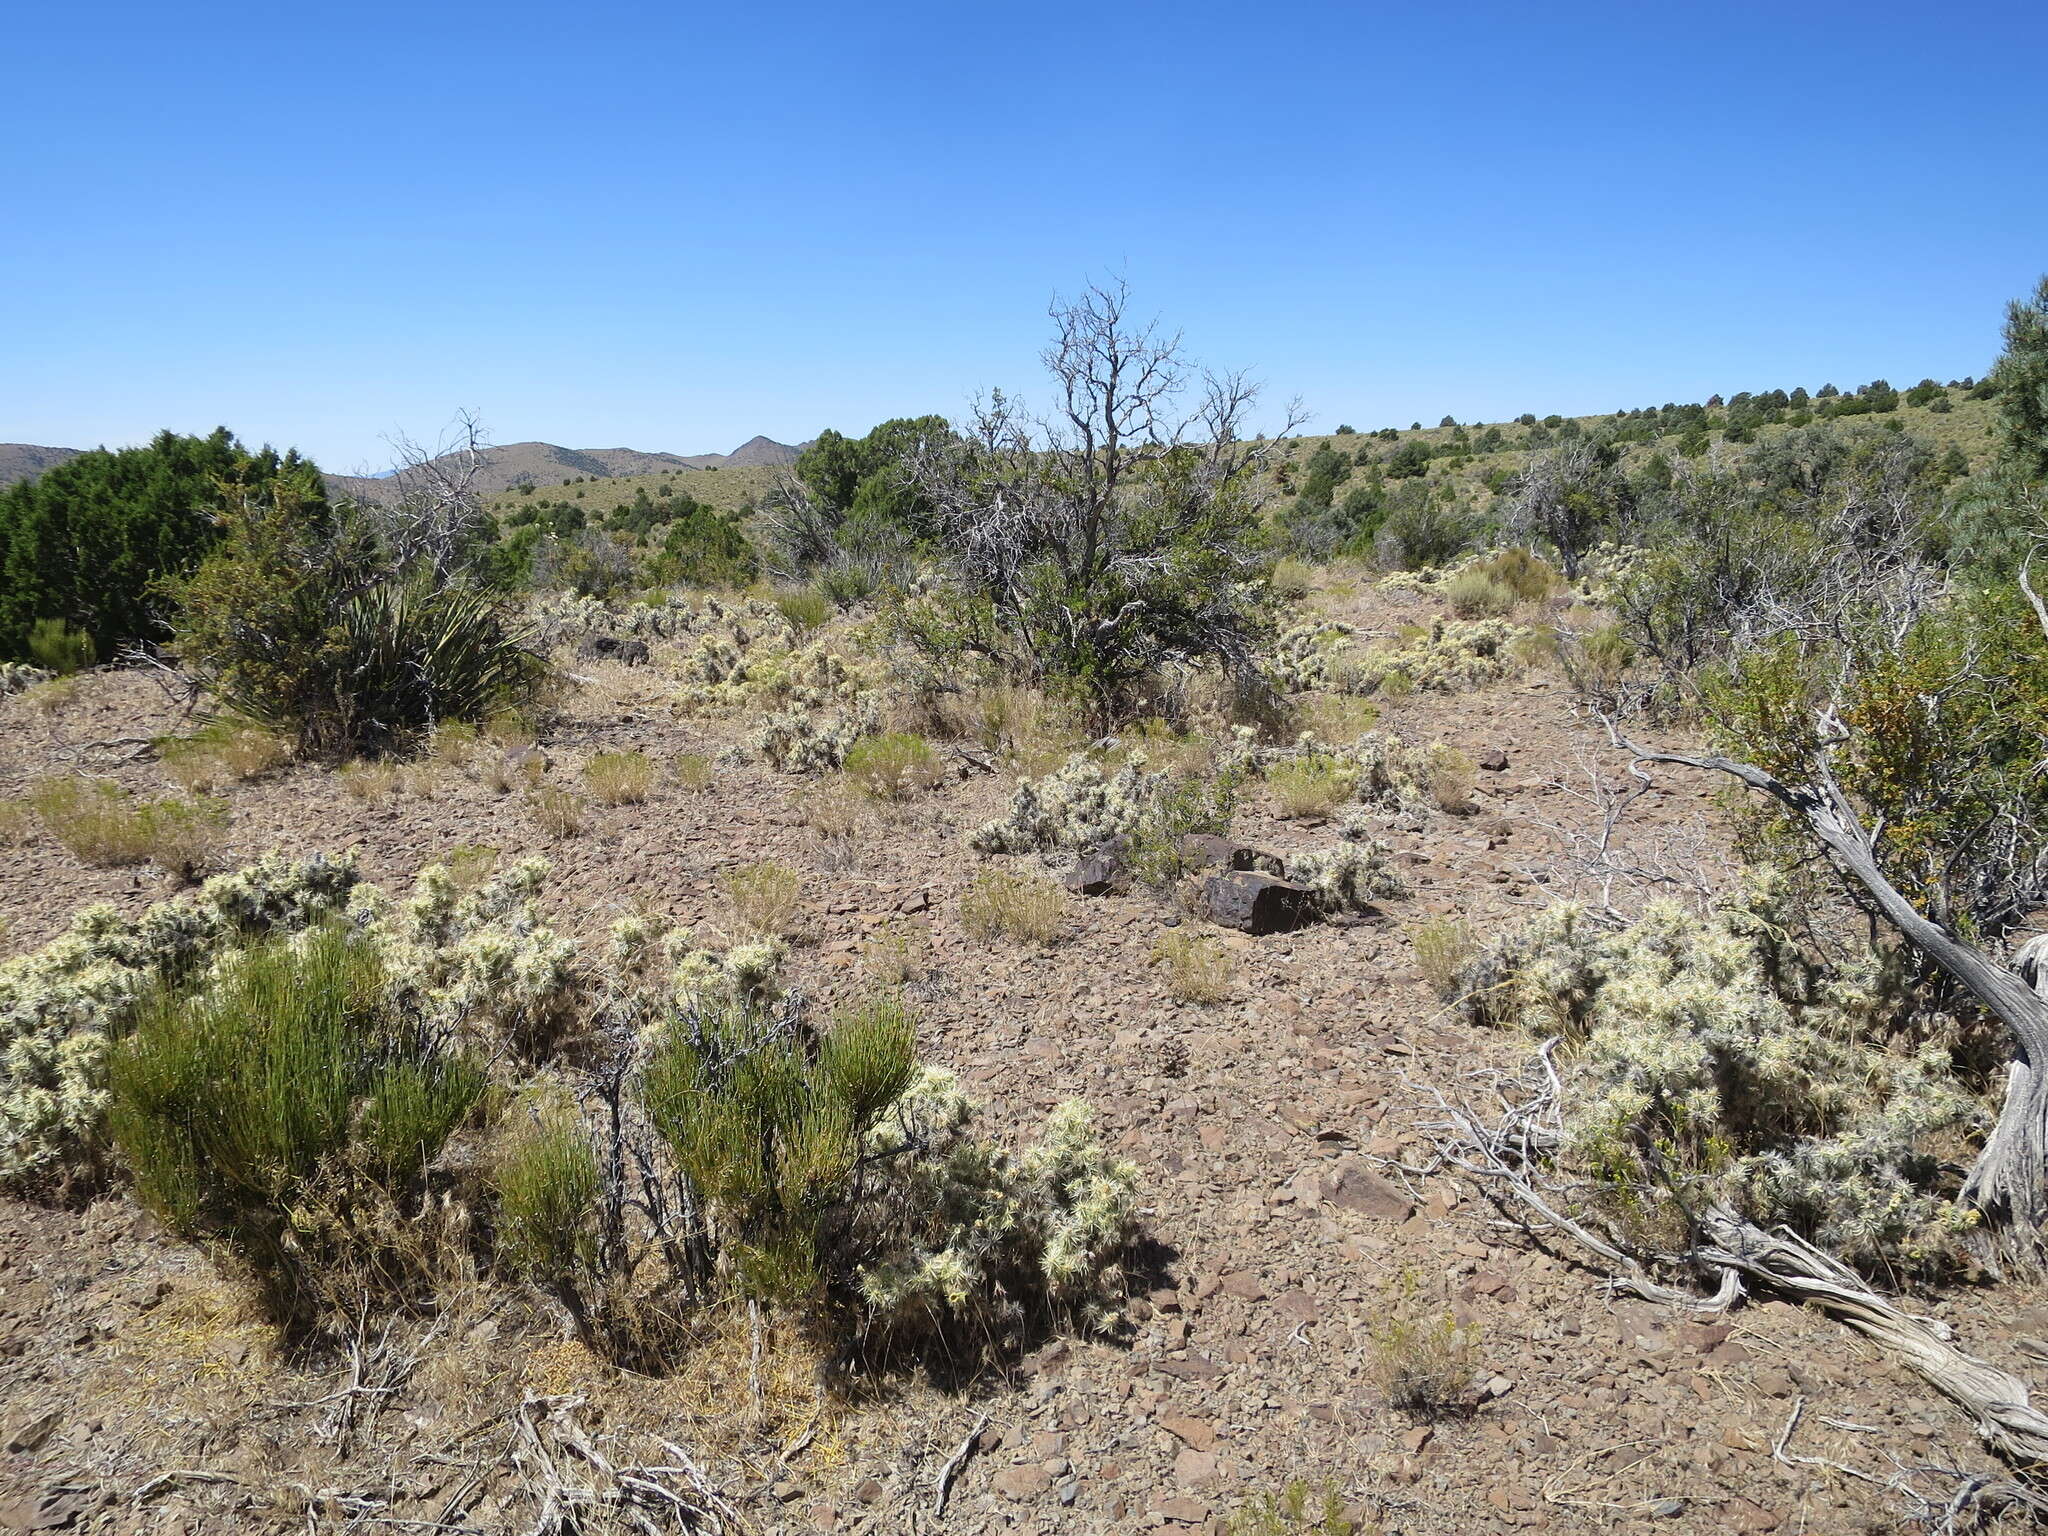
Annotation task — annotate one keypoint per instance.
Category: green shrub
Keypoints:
(312, 638)
(763, 896)
(805, 609)
(218, 755)
(1444, 946)
(89, 541)
(770, 1133)
(620, 778)
(1422, 1361)
(288, 1114)
(56, 647)
(893, 766)
(1198, 967)
(1298, 1509)
(548, 1184)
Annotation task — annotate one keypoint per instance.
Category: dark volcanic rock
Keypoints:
(1257, 903)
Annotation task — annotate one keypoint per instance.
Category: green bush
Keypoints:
(311, 637)
(289, 1114)
(56, 647)
(1476, 594)
(87, 542)
(804, 608)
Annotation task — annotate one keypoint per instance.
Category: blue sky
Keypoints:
(672, 227)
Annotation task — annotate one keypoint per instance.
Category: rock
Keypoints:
(632, 653)
(1201, 851)
(1094, 874)
(1352, 1187)
(1493, 760)
(1186, 1510)
(1257, 903)
(32, 1433)
(1196, 1434)
(1194, 1469)
(1021, 1483)
(1245, 1285)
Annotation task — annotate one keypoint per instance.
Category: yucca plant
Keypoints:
(287, 1114)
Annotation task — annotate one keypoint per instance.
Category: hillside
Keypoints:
(509, 465)
(24, 461)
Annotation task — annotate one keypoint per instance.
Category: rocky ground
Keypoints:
(138, 1393)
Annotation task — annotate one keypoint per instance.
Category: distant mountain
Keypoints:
(512, 464)
(24, 461)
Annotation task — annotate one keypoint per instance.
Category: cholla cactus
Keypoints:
(18, 677)
(746, 975)
(798, 741)
(1391, 774)
(1348, 876)
(480, 961)
(58, 1005)
(1682, 1062)
(1075, 808)
(964, 1236)
(1307, 655)
(1455, 654)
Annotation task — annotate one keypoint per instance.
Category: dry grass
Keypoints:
(1314, 785)
(1421, 1361)
(620, 778)
(1198, 965)
(1338, 718)
(762, 897)
(1293, 580)
(895, 952)
(1452, 778)
(454, 743)
(17, 823)
(367, 780)
(219, 756)
(52, 697)
(893, 766)
(1442, 947)
(693, 772)
(100, 824)
(511, 768)
(1473, 594)
(1026, 909)
(559, 812)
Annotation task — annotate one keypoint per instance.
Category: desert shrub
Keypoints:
(892, 766)
(801, 741)
(99, 823)
(307, 633)
(1292, 580)
(1421, 530)
(1598, 661)
(895, 952)
(51, 697)
(1198, 968)
(1475, 594)
(222, 753)
(287, 1114)
(1313, 784)
(1421, 1360)
(1695, 1073)
(693, 772)
(557, 811)
(1298, 1509)
(1026, 909)
(58, 648)
(17, 823)
(1443, 946)
(454, 743)
(1528, 575)
(1349, 876)
(1078, 807)
(1193, 804)
(762, 896)
(61, 1004)
(548, 1186)
(620, 778)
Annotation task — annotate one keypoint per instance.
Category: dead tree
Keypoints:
(438, 509)
(2008, 1186)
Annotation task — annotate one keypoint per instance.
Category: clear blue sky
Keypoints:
(674, 226)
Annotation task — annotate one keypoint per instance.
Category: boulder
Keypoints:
(632, 653)
(1254, 902)
(1493, 760)
(1094, 874)
(1205, 850)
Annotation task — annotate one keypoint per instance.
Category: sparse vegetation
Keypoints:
(558, 812)
(1025, 909)
(1198, 967)
(762, 896)
(99, 823)
(1423, 1361)
(892, 766)
(620, 778)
